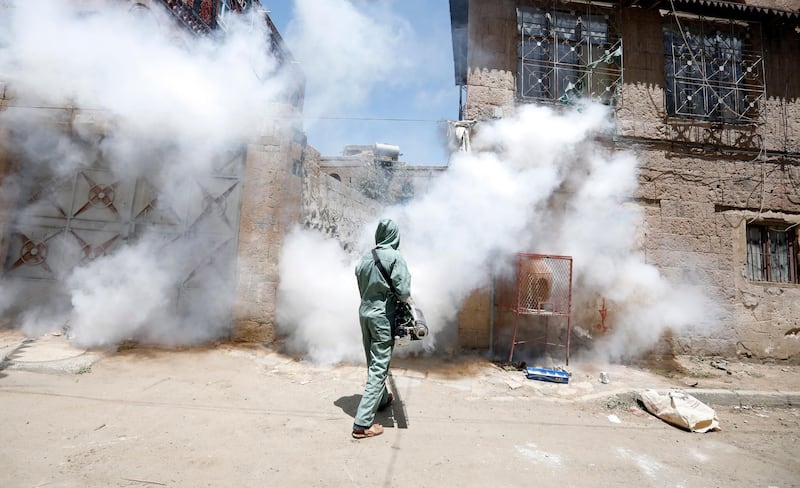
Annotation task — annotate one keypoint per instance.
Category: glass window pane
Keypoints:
(779, 256)
(533, 22)
(755, 261)
(596, 28)
(565, 26)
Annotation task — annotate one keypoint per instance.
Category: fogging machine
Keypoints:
(409, 323)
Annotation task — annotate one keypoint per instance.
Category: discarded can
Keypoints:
(604, 378)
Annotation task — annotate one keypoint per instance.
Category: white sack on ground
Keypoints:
(680, 409)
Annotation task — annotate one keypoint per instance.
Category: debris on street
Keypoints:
(680, 409)
(722, 365)
(544, 374)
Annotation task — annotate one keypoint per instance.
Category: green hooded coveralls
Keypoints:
(376, 315)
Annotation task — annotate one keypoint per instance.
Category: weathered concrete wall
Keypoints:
(778, 4)
(700, 182)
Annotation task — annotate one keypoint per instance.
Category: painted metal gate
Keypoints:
(66, 222)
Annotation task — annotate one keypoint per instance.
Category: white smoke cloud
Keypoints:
(318, 300)
(103, 312)
(154, 102)
(153, 77)
(536, 183)
(345, 50)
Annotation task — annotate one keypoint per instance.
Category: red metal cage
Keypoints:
(542, 288)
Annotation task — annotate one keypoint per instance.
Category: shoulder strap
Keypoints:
(383, 271)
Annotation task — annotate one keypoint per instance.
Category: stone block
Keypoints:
(251, 331)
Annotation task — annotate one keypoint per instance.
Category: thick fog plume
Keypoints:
(347, 49)
(534, 183)
(154, 105)
(318, 300)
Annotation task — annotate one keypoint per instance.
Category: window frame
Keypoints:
(713, 69)
(761, 241)
(568, 51)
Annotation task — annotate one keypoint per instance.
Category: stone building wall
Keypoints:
(5, 205)
(491, 59)
(701, 184)
(334, 207)
(5, 169)
(271, 205)
(388, 181)
(474, 319)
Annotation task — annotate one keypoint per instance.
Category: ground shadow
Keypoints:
(392, 416)
(397, 409)
(349, 404)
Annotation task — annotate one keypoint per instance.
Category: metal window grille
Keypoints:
(772, 254)
(563, 54)
(714, 70)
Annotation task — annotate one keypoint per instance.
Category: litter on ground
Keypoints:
(680, 409)
(543, 374)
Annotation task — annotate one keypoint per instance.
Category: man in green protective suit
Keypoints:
(376, 314)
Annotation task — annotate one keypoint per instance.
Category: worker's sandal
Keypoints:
(375, 429)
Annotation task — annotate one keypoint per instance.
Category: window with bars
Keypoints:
(565, 54)
(772, 253)
(714, 70)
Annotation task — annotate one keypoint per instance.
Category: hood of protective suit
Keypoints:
(387, 234)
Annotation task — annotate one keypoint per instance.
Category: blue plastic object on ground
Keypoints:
(542, 374)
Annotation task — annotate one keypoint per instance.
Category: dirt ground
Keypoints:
(250, 417)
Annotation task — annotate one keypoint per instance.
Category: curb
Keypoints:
(730, 398)
(733, 398)
(75, 365)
